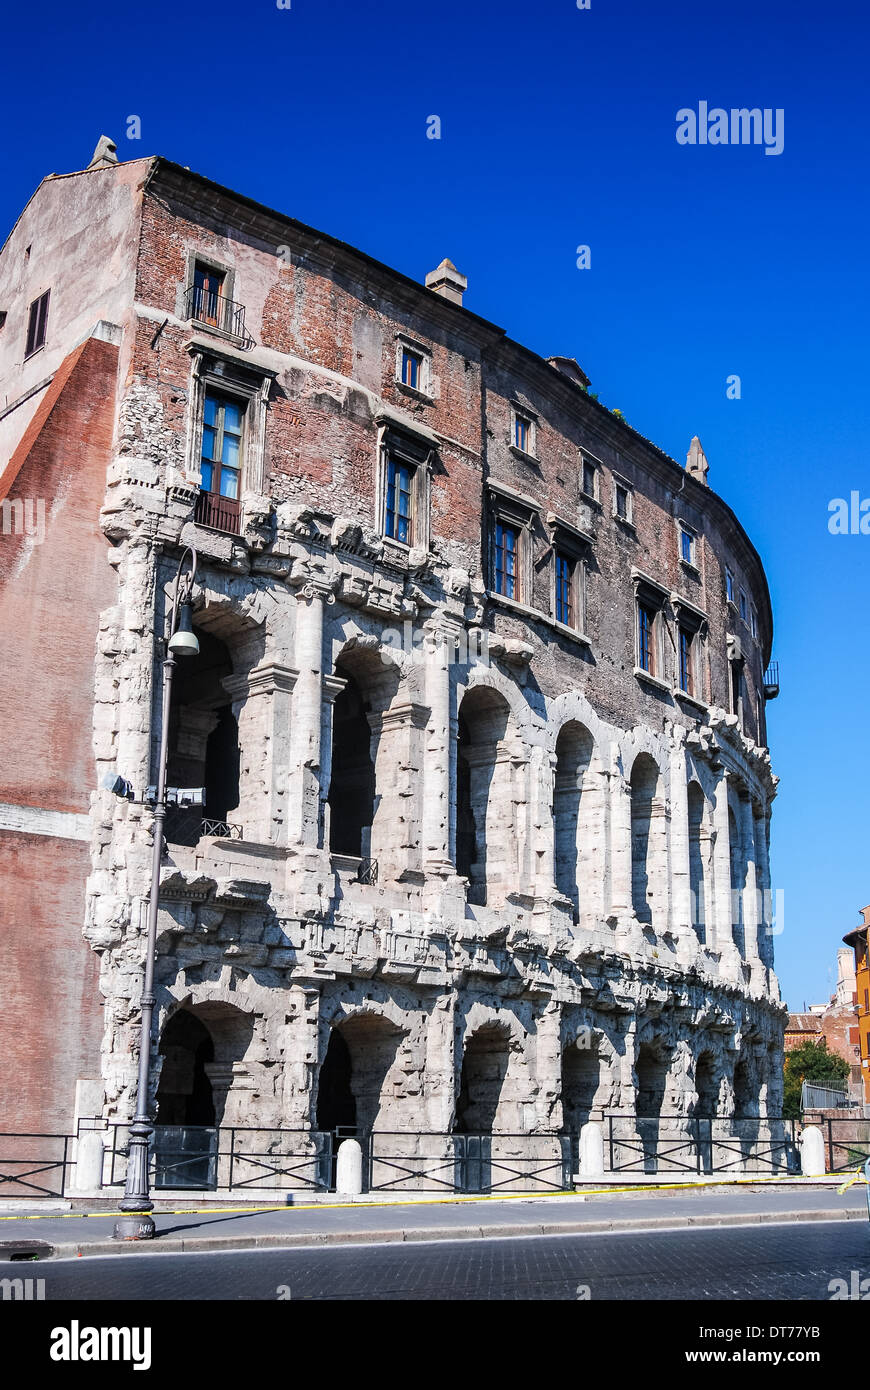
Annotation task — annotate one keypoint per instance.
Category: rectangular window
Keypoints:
(622, 502)
(744, 607)
(646, 619)
(736, 690)
(507, 549)
(687, 676)
(221, 462)
(36, 324)
(588, 478)
(729, 586)
(208, 301)
(412, 369)
(687, 546)
(523, 433)
(753, 622)
(565, 608)
(399, 516)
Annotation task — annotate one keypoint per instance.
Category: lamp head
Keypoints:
(183, 641)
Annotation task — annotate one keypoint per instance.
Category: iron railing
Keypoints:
(817, 1096)
(215, 311)
(771, 681)
(219, 513)
(237, 1158)
(34, 1165)
(367, 871)
(186, 825)
(699, 1144)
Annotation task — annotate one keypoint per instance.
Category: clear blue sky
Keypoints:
(558, 128)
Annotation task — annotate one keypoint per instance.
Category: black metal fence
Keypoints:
(247, 1159)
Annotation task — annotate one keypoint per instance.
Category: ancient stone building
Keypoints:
(479, 706)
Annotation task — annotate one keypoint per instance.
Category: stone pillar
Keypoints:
(304, 814)
(261, 705)
(750, 894)
(301, 1057)
(620, 841)
(397, 754)
(440, 1081)
(722, 921)
(762, 880)
(681, 886)
(438, 836)
(542, 773)
(548, 1069)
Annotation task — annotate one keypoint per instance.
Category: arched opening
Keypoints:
(706, 1086)
(697, 876)
(652, 1077)
(485, 1064)
(352, 781)
(336, 1105)
(485, 815)
(738, 881)
(745, 1096)
(203, 741)
(184, 1095)
(573, 756)
(359, 1083)
(644, 790)
(581, 1077)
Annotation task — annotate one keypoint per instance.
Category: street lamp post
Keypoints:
(139, 1225)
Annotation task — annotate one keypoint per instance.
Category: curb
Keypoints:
(505, 1230)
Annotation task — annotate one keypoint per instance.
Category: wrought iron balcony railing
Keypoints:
(213, 310)
(771, 681)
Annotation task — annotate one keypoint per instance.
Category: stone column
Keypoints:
(261, 706)
(304, 814)
(542, 773)
(438, 836)
(301, 1057)
(762, 877)
(620, 841)
(681, 886)
(722, 919)
(548, 1068)
(397, 735)
(750, 895)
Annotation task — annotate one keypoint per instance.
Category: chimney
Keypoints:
(447, 282)
(105, 155)
(696, 461)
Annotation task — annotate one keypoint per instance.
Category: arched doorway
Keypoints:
(646, 876)
(352, 782)
(203, 740)
(573, 755)
(485, 1065)
(486, 844)
(697, 875)
(184, 1095)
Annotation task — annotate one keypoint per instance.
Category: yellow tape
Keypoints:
(424, 1201)
(857, 1176)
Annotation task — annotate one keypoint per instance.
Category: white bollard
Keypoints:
(591, 1150)
(349, 1168)
(89, 1162)
(812, 1144)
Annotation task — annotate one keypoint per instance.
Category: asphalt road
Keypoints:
(795, 1262)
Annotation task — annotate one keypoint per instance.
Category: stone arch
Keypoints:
(205, 1048)
(708, 1085)
(649, 856)
(362, 762)
(492, 1072)
(577, 820)
(738, 872)
(491, 771)
(371, 1055)
(652, 1071)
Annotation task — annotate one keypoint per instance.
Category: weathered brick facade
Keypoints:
(492, 874)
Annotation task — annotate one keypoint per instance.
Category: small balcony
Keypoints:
(771, 681)
(220, 513)
(221, 315)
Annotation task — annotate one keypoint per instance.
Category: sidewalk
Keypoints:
(183, 1229)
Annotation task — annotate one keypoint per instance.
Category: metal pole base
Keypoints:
(139, 1227)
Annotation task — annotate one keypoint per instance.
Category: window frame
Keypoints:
(688, 534)
(504, 508)
(212, 371)
(37, 324)
(621, 484)
(650, 599)
(743, 607)
(594, 470)
(521, 414)
(414, 452)
(406, 346)
(691, 623)
(729, 585)
(222, 400)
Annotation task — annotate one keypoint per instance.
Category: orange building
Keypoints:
(857, 939)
